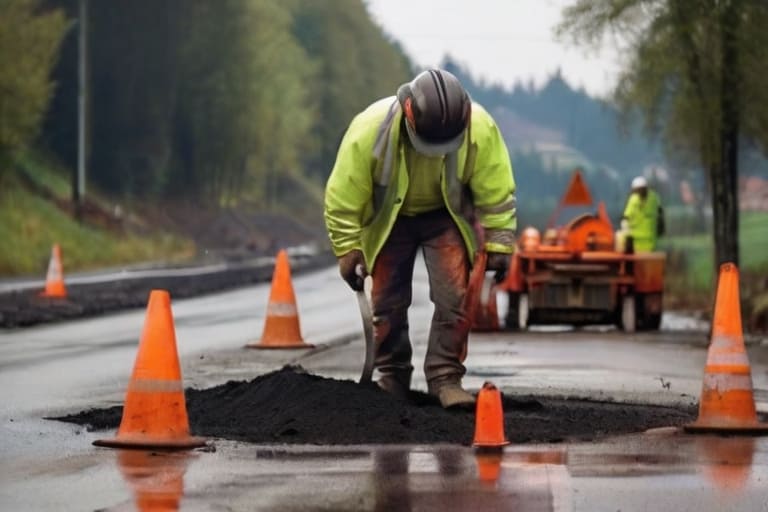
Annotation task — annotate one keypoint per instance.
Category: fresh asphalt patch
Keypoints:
(291, 406)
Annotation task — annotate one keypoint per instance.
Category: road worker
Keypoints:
(426, 169)
(643, 216)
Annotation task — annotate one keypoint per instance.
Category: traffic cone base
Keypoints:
(54, 279)
(155, 410)
(146, 443)
(281, 327)
(489, 420)
(727, 400)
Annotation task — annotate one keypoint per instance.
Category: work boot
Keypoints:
(396, 383)
(450, 393)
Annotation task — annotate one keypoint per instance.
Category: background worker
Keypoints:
(643, 216)
(428, 170)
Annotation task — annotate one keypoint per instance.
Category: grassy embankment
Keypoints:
(33, 217)
(690, 275)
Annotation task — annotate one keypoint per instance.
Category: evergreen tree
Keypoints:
(29, 41)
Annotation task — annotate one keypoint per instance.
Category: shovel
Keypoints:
(367, 317)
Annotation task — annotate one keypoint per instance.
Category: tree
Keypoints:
(357, 65)
(696, 72)
(243, 110)
(29, 42)
(220, 101)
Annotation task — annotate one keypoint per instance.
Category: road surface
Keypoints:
(66, 367)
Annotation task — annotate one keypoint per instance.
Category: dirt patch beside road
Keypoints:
(293, 407)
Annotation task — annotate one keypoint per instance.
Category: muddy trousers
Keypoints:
(445, 255)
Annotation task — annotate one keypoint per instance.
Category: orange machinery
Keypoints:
(576, 274)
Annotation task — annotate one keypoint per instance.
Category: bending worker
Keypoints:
(643, 216)
(425, 169)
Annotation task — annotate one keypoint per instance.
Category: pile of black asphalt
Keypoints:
(26, 307)
(291, 406)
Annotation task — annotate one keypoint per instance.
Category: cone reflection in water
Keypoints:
(727, 400)
(488, 466)
(156, 479)
(727, 460)
(155, 410)
(54, 279)
(489, 419)
(281, 327)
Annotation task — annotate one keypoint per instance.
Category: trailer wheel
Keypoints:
(649, 311)
(523, 312)
(511, 319)
(653, 321)
(628, 319)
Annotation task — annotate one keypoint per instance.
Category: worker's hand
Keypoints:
(498, 262)
(352, 269)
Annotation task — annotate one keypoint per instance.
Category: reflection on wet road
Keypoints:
(665, 471)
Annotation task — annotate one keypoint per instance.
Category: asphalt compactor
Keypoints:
(583, 273)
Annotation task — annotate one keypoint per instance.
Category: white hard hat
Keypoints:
(639, 182)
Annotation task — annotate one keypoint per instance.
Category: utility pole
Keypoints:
(79, 182)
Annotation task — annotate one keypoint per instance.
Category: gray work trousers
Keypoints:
(447, 263)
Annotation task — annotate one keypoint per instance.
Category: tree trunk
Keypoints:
(725, 181)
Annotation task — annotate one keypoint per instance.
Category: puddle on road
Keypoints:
(710, 471)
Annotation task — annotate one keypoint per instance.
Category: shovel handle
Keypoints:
(367, 317)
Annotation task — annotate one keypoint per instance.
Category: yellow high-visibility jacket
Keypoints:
(370, 179)
(643, 218)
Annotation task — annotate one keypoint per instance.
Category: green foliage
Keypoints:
(243, 101)
(29, 40)
(357, 65)
(29, 225)
(221, 101)
(696, 70)
(690, 273)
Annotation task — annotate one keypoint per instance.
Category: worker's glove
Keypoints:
(624, 225)
(352, 269)
(498, 262)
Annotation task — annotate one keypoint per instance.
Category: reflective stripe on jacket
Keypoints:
(369, 181)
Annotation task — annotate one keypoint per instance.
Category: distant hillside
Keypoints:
(556, 113)
(555, 129)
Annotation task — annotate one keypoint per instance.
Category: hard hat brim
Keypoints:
(432, 148)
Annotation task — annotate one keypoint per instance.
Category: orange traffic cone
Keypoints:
(727, 402)
(155, 411)
(54, 280)
(157, 479)
(281, 328)
(489, 419)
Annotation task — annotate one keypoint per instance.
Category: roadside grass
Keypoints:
(690, 275)
(30, 224)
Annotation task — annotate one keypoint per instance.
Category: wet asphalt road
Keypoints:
(66, 367)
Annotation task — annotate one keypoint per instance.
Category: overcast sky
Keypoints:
(499, 40)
